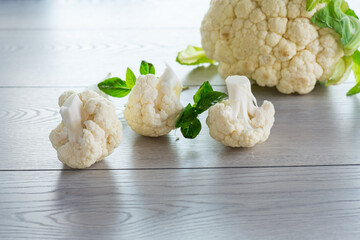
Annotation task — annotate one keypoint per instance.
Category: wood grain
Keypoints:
(81, 58)
(245, 203)
(76, 43)
(316, 129)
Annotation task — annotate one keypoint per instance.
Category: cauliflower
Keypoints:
(273, 42)
(290, 44)
(154, 104)
(89, 131)
(238, 121)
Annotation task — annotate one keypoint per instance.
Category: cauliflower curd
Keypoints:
(238, 121)
(154, 104)
(271, 41)
(89, 131)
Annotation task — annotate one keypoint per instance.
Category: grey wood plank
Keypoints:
(103, 14)
(320, 128)
(106, 14)
(43, 43)
(80, 58)
(248, 203)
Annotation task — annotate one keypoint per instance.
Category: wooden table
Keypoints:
(303, 183)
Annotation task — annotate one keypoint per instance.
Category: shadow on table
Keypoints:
(271, 93)
(88, 202)
(148, 152)
(201, 74)
(235, 154)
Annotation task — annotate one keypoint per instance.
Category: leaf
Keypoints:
(345, 8)
(192, 129)
(202, 91)
(354, 90)
(204, 98)
(114, 87)
(342, 71)
(356, 70)
(352, 13)
(356, 65)
(186, 116)
(146, 68)
(193, 56)
(334, 16)
(130, 78)
(338, 16)
(311, 4)
(210, 99)
(151, 68)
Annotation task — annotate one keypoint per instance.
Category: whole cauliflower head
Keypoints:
(154, 104)
(272, 42)
(238, 121)
(90, 129)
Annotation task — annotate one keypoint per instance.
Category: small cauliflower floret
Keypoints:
(154, 104)
(301, 74)
(238, 121)
(89, 131)
(301, 32)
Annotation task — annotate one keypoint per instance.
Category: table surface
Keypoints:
(303, 183)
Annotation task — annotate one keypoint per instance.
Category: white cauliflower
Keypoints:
(238, 121)
(89, 131)
(273, 42)
(154, 104)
